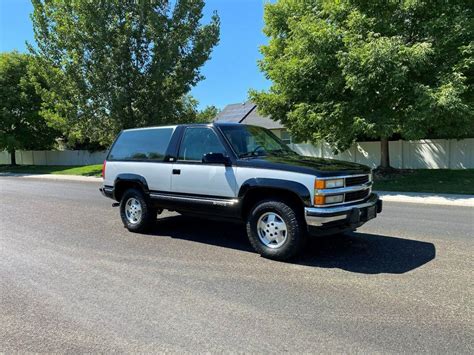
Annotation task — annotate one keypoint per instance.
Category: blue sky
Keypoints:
(231, 71)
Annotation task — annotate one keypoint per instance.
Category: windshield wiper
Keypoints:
(281, 152)
(249, 155)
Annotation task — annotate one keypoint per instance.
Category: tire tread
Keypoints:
(148, 211)
(295, 224)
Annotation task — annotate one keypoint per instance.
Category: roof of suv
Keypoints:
(216, 124)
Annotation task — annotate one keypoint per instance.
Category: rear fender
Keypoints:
(124, 180)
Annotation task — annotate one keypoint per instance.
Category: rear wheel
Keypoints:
(137, 213)
(276, 230)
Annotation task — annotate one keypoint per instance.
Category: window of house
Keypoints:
(286, 137)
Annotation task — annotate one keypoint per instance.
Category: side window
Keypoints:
(146, 144)
(198, 141)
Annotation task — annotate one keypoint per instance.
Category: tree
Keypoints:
(115, 64)
(207, 115)
(342, 69)
(21, 126)
(189, 112)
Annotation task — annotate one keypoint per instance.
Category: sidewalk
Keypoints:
(389, 196)
(428, 198)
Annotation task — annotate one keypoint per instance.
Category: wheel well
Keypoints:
(122, 186)
(258, 194)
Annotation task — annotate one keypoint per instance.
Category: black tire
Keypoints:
(296, 234)
(148, 212)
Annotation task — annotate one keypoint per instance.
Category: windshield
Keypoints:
(252, 141)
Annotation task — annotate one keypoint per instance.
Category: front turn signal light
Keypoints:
(319, 200)
(319, 184)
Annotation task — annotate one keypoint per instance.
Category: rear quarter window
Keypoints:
(140, 145)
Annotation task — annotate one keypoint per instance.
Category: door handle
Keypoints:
(176, 171)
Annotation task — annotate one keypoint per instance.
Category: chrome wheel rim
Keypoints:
(272, 230)
(133, 210)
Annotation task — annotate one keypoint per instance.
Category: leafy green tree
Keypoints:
(114, 64)
(191, 114)
(21, 125)
(207, 115)
(342, 69)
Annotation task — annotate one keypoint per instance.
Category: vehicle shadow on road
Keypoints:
(222, 234)
(368, 253)
(354, 252)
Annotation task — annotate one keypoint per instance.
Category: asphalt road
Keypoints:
(73, 279)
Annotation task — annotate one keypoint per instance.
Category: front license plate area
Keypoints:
(371, 212)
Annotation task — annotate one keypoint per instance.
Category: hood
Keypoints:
(306, 165)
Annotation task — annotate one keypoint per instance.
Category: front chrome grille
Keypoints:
(357, 180)
(356, 195)
(356, 188)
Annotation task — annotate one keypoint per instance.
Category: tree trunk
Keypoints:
(384, 154)
(12, 157)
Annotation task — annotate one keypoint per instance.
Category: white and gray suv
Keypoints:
(236, 172)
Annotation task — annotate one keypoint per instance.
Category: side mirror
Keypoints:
(216, 158)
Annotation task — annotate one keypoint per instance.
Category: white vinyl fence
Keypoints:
(423, 154)
(54, 157)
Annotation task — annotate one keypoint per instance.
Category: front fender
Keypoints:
(295, 187)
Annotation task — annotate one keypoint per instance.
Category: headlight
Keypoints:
(331, 184)
(334, 199)
(325, 200)
(328, 184)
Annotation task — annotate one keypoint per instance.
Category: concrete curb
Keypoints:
(389, 196)
(55, 177)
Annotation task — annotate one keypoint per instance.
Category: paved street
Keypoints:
(73, 279)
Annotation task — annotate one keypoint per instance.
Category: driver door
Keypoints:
(193, 177)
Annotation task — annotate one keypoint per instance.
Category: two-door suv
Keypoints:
(236, 172)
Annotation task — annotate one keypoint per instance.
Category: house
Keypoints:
(422, 154)
(247, 113)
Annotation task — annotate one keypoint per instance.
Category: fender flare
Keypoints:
(135, 178)
(292, 186)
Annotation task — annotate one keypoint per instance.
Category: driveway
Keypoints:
(73, 279)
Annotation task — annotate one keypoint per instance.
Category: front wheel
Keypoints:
(276, 230)
(136, 212)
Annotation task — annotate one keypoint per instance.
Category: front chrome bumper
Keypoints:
(354, 214)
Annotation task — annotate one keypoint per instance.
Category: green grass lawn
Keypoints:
(436, 181)
(86, 170)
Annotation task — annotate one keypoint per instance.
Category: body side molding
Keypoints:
(224, 202)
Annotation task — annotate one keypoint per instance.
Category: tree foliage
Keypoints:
(115, 64)
(21, 125)
(342, 69)
(207, 115)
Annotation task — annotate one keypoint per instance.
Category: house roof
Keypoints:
(246, 113)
